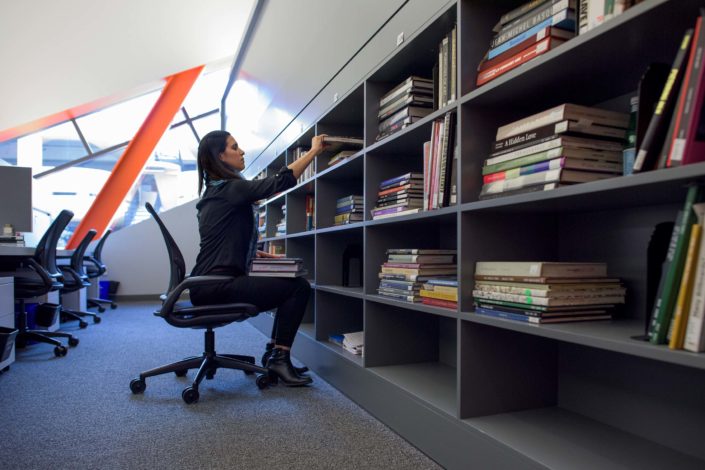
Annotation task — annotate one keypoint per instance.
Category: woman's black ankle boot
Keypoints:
(279, 364)
(268, 352)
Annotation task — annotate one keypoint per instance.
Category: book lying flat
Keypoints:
(540, 269)
(540, 320)
(291, 274)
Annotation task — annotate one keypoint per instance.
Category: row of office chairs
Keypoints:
(42, 275)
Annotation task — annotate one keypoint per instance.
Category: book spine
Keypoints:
(663, 307)
(520, 11)
(438, 295)
(502, 314)
(680, 315)
(439, 303)
(658, 126)
(426, 173)
(398, 179)
(564, 19)
(586, 154)
(528, 189)
(524, 170)
(443, 170)
(526, 55)
(562, 141)
(564, 112)
(684, 108)
(536, 17)
(695, 329)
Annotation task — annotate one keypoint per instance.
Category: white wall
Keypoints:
(136, 255)
(57, 54)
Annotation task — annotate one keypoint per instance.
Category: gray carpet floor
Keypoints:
(77, 412)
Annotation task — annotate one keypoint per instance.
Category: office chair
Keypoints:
(41, 277)
(75, 278)
(208, 317)
(95, 270)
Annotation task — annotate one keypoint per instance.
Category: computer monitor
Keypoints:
(16, 198)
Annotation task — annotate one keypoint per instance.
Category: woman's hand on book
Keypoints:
(318, 144)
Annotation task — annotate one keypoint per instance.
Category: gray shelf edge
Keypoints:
(440, 311)
(616, 22)
(306, 233)
(418, 216)
(341, 164)
(342, 291)
(454, 444)
(627, 346)
(667, 175)
(340, 228)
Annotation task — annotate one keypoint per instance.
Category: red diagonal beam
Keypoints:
(130, 164)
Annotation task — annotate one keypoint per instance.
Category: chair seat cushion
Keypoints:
(30, 284)
(186, 315)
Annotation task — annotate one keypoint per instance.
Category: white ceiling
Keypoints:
(57, 54)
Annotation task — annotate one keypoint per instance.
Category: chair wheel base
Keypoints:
(138, 386)
(60, 351)
(190, 395)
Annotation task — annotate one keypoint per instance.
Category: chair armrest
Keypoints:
(71, 272)
(195, 281)
(39, 269)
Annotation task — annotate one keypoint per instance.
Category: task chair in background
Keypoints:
(95, 269)
(40, 277)
(75, 279)
(208, 317)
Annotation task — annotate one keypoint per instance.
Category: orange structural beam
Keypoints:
(130, 164)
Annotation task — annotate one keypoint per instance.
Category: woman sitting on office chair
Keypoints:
(228, 230)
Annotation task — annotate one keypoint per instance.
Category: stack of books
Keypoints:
(310, 170)
(341, 156)
(277, 267)
(341, 147)
(408, 102)
(678, 313)
(440, 292)
(439, 164)
(400, 195)
(527, 32)
(446, 69)
(673, 134)
(563, 145)
(348, 209)
(545, 292)
(403, 275)
(353, 342)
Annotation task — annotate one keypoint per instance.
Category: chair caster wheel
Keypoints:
(60, 351)
(73, 341)
(181, 372)
(82, 324)
(190, 395)
(97, 319)
(113, 306)
(101, 309)
(262, 381)
(137, 386)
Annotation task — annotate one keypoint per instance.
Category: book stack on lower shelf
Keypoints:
(563, 145)
(353, 342)
(679, 308)
(348, 209)
(400, 195)
(440, 292)
(403, 275)
(527, 32)
(408, 102)
(277, 267)
(545, 292)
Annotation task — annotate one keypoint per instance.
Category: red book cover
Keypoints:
(515, 61)
(439, 303)
(528, 42)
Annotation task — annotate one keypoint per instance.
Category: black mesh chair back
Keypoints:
(177, 265)
(74, 275)
(45, 254)
(97, 268)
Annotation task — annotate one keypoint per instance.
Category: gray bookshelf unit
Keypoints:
(479, 392)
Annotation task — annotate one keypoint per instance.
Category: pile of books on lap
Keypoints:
(408, 102)
(278, 267)
(348, 209)
(403, 275)
(527, 32)
(545, 292)
(563, 145)
(440, 292)
(400, 195)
